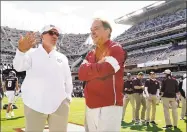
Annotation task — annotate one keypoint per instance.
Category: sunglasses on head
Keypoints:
(52, 33)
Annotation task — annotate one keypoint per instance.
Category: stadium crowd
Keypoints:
(160, 23)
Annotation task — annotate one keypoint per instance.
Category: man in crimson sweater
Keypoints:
(103, 71)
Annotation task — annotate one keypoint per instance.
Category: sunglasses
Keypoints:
(51, 33)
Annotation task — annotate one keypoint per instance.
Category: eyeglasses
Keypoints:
(51, 33)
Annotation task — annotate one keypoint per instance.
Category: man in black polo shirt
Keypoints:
(128, 96)
(152, 92)
(139, 98)
(169, 91)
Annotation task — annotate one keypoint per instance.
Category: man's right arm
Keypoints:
(146, 88)
(22, 61)
(162, 88)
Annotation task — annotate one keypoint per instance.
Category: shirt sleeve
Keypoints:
(158, 85)
(146, 83)
(176, 87)
(68, 81)
(163, 86)
(134, 83)
(112, 64)
(22, 61)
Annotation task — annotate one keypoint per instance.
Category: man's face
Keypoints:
(98, 33)
(153, 76)
(140, 76)
(50, 38)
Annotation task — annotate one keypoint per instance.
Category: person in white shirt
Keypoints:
(184, 99)
(47, 74)
(184, 84)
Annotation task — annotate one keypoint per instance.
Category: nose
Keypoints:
(55, 36)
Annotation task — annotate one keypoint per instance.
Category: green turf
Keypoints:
(77, 109)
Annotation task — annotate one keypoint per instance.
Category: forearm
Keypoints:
(69, 90)
(4, 88)
(146, 91)
(137, 87)
(68, 83)
(92, 71)
(157, 92)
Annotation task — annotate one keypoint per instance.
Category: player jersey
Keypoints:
(10, 83)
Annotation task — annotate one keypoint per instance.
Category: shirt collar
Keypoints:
(41, 47)
(107, 43)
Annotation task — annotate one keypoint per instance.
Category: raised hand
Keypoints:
(27, 42)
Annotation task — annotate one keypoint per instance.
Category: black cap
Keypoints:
(140, 73)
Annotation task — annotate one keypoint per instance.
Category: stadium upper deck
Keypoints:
(151, 11)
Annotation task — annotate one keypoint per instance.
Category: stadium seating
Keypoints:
(154, 25)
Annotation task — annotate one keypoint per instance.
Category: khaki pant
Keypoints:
(85, 122)
(104, 119)
(126, 99)
(139, 99)
(183, 111)
(57, 121)
(173, 103)
(151, 101)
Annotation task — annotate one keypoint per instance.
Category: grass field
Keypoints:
(76, 116)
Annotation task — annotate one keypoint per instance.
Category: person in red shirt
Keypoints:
(103, 71)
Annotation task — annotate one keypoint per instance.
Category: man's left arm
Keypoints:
(184, 86)
(158, 89)
(68, 81)
(107, 66)
(17, 85)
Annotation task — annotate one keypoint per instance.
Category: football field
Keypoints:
(76, 116)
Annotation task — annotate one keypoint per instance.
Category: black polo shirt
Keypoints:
(137, 82)
(169, 88)
(129, 85)
(152, 86)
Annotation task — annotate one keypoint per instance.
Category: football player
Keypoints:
(11, 83)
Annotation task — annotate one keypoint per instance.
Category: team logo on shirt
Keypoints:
(59, 60)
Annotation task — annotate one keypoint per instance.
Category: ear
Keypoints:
(108, 31)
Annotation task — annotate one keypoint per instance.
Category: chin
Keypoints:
(95, 42)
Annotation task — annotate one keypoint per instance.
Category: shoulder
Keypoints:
(115, 46)
(91, 52)
(147, 80)
(32, 50)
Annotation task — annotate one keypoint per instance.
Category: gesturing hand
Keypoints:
(27, 42)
